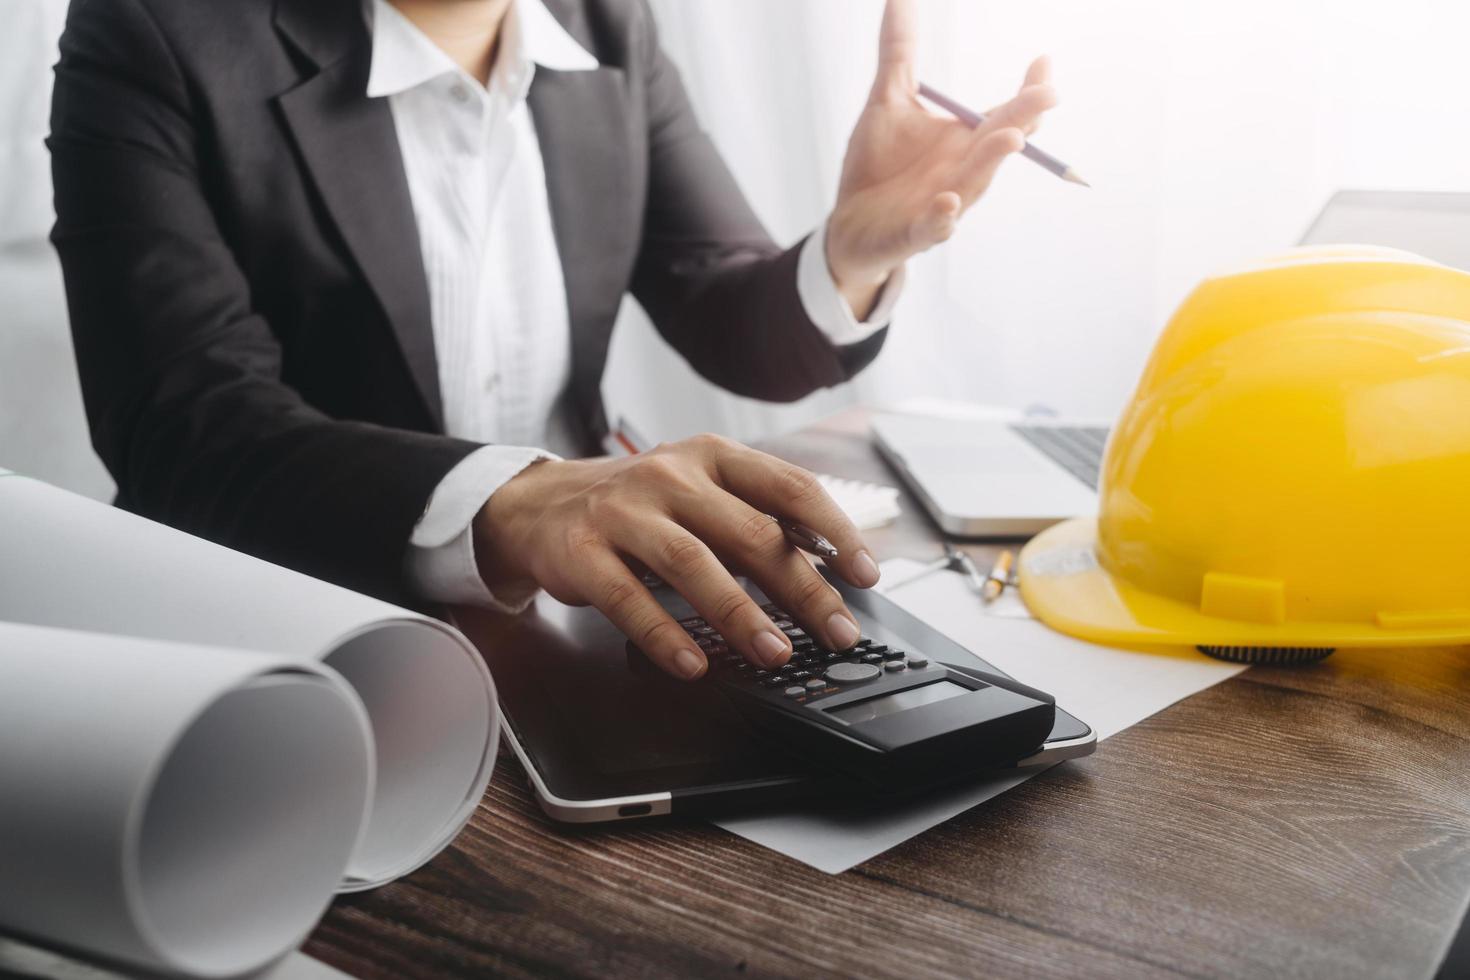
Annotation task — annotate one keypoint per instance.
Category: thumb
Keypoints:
(936, 223)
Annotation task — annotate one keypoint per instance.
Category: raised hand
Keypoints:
(910, 174)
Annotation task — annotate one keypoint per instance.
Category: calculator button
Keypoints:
(801, 675)
(851, 673)
(815, 684)
(877, 648)
(894, 655)
(794, 692)
(872, 658)
(774, 681)
(831, 656)
(894, 665)
(917, 661)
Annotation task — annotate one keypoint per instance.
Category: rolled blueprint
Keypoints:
(70, 563)
(185, 808)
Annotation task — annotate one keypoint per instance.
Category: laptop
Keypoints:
(998, 477)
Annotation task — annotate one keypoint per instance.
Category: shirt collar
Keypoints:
(404, 58)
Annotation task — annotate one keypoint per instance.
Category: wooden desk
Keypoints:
(1310, 822)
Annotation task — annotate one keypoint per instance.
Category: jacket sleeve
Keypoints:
(715, 285)
(182, 379)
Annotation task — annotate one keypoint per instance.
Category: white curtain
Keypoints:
(1212, 133)
(779, 103)
(27, 52)
(43, 431)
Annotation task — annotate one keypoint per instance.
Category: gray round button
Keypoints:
(794, 692)
(851, 673)
(894, 665)
(916, 662)
(815, 684)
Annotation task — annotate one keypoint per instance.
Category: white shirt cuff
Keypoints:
(826, 307)
(441, 550)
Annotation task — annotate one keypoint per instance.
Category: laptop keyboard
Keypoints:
(1076, 449)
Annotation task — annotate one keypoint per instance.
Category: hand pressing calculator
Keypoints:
(883, 713)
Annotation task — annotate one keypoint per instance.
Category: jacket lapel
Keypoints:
(350, 146)
(582, 126)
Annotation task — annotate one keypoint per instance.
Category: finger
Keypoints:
(754, 541)
(798, 588)
(1024, 111)
(686, 563)
(937, 223)
(624, 600)
(897, 46)
(774, 486)
(984, 159)
(1039, 72)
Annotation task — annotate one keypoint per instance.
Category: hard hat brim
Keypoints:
(1066, 587)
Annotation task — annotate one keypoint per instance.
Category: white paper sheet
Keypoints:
(1107, 688)
(123, 725)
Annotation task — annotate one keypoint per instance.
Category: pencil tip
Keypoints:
(1075, 177)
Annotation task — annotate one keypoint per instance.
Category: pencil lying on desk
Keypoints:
(999, 577)
(972, 119)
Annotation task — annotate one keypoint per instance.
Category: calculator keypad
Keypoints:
(813, 670)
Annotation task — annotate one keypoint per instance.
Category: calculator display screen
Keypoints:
(888, 704)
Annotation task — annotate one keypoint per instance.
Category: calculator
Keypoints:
(879, 711)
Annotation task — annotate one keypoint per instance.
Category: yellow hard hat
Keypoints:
(1292, 474)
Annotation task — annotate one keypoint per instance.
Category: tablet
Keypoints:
(600, 742)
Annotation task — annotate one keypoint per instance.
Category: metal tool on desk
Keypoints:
(961, 562)
(954, 560)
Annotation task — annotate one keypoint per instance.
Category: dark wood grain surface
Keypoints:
(1308, 822)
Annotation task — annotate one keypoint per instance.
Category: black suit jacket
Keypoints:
(247, 296)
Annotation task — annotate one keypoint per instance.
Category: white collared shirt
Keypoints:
(497, 295)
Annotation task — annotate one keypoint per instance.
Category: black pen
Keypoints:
(806, 539)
